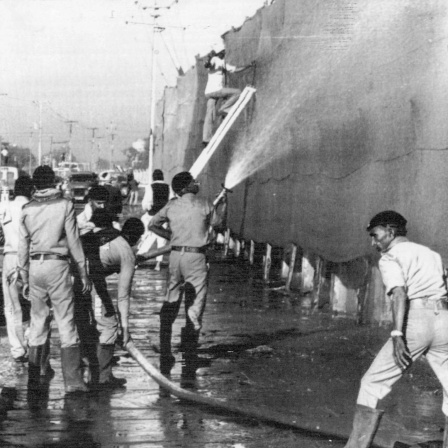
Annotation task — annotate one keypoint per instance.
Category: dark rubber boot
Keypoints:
(168, 314)
(71, 369)
(34, 356)
(39, 369)
(167, 359)
(90, 365)
(365, 425)
(46, 372)
(105, 354)
(192, 361)
(189, 338)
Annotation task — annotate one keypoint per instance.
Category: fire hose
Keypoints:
(255, 412)
(267, 415)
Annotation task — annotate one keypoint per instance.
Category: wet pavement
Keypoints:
(258, 347)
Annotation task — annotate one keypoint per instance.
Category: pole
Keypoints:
(30, 142)
(267, 263)
(70, 123)
(39, 148)
(153, 104)
(92, 159)
(51, 152)
(292, 264)
(111, 152)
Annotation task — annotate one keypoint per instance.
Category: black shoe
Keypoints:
(22, 359)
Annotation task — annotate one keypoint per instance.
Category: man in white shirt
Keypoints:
(10, 220)
(216, 89)
(97, 198)
(415, 282)
(156, 197)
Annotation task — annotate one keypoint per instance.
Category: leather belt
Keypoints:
(44, 257)
(429, 304)
(196, 250)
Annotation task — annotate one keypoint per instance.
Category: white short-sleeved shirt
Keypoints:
(10, 212)
(416, 268)
(216, 76)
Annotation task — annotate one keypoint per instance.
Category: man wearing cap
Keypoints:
(414, 279)
(48, 238)
(189, 219)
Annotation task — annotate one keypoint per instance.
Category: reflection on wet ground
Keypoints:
(142, 415)
(258, 347)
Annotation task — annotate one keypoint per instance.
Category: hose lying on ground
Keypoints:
(267, 415)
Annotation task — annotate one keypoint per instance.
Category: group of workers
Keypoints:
(52, 258)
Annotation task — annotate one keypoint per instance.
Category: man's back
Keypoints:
(48, 223)
(117, 256)
(415, 267)
(45, 223)
(189, 220)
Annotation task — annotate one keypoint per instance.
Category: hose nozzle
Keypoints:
(223, 192)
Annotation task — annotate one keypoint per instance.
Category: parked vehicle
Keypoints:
(79, 184)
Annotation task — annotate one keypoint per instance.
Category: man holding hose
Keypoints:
(189, 218)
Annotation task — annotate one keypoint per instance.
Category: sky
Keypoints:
(67, 66)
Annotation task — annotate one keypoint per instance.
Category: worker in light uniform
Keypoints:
(415, 282)
(10, 212)
(48, 238)
(189, 218)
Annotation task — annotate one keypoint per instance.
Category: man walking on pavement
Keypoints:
(10, 213)
(415, 282)
(115, 256)
(48, 238)
(189, 218)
